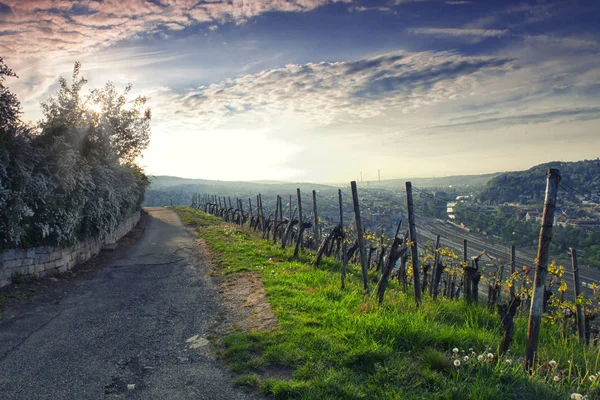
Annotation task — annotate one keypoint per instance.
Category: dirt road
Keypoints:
(136, 329)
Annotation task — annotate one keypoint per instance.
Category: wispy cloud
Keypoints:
(465, 33)
(326, 93)
(559, 116)
(28, 28)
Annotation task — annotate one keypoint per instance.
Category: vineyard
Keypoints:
(438, 274)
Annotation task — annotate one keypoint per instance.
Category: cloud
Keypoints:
(558, 116)
(326, 93)
(471, 34)
(30, 28)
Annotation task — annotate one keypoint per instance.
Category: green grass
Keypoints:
(340, 344)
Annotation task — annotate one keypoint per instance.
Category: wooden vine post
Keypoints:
(344, 259)
(280, 209)
(413, 243)
(512, 271)
(275, 221)
(300, 224)
(577, 292)
(261, 215)
(541, 268)
(316, 219)
(361, 239)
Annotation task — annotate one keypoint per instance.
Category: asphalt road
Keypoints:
(136, 329)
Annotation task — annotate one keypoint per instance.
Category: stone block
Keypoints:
(55, 255)
(39, 268)
(62, 269)
(14, 263)
(31, 270)
(40, 258)
(27, 262)
(20, 253)
(30, 253)
(8, 255)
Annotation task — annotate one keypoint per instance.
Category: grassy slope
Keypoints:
(339, 344)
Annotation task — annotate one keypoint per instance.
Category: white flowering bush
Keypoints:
(75, 176)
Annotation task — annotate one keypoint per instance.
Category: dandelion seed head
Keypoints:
(490, 356)
(466, 358)
(556, 378)
(455, 350)
(509, 361)
(480, 357)
(457, 363)
(592, 378)
(552, 363)
(576, 396)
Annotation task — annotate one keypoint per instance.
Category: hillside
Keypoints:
(172, 190)
(529, 186)
(454, 180)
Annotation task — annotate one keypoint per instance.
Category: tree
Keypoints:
(121, 132)
(10, 107)
(102, 125)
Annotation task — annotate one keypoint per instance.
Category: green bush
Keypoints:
(72, 176)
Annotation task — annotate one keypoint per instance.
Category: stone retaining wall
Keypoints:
(48, 260)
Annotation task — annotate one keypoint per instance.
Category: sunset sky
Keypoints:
(319, 90)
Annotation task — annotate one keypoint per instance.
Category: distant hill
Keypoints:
(166, 190)
(228, 187)
(455, 180)
(530, 186)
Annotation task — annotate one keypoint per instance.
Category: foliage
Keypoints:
(10, 108)
(504, 225)
(74, 176)
(529, 186)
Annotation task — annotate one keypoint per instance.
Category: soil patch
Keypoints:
(245, 304)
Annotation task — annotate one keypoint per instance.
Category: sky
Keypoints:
(320, 90)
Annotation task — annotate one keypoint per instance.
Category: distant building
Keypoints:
(450, 209)
(533, 216)
(587, 224)
(527, 214)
